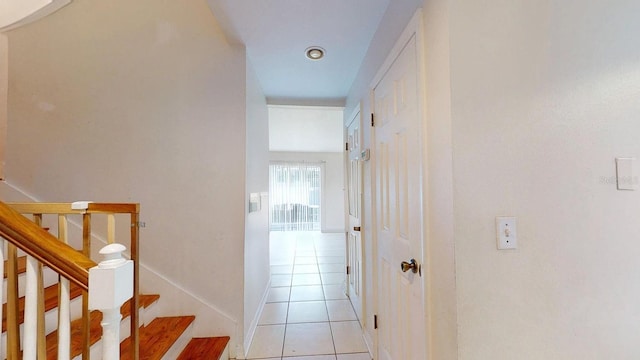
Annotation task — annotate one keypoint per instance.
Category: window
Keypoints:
(295, 196)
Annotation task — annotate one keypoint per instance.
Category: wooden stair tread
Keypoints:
(95, 329)
(157, 337)
(22, 265)
(50, 302)
(204, 348)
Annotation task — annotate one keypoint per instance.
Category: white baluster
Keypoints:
(64, 321)
(110, 286)
(30, 345)
(64, 310)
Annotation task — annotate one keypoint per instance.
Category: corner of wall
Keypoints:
(440, 247)
(4, 93)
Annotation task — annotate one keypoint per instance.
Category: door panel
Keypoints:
(399, 209)
(354, 194)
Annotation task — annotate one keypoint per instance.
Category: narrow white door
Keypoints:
(354, 204)
(401, 317)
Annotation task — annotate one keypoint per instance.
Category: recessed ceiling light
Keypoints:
(315, 53)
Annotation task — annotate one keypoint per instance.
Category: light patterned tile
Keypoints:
(330, 259)
(280, 280)
(347, 337)
(278, 294)
(358, 356)
(308, 339)
(267, 342)
(305, 260)
(333, 278)
(305, 269)
(307, 311)
(282, 269)
(334, 292)
(332, 268)
(305, 253)
(307, 293)
(306, 279)
(341, 310)
(274, 313)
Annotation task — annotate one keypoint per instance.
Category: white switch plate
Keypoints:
(506, 233)
(626, 175)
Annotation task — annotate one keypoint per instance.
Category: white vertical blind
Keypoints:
(294, 193)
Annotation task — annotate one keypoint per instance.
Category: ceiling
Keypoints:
(276, 34)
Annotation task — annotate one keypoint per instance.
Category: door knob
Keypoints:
(411, 265)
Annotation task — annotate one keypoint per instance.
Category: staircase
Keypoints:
(159, 337)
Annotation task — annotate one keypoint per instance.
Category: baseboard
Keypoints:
(254, 324)
(368, 340)
(333, 231)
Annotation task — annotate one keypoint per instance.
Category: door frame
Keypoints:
(415, 27)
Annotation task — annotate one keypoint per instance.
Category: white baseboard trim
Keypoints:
(333, 231)
(368, 340)
(249, 333)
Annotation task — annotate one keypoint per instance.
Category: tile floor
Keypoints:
(307, 315)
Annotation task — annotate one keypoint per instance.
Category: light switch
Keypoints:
(506, 233)
(626, 176)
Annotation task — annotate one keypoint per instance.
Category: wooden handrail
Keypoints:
(65, 208)
(44, 247)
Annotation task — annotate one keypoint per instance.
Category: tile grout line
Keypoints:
(298, 252)
(333, 341)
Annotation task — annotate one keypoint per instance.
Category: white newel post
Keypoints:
(110, 286)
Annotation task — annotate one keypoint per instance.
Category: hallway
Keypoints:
(307, 315)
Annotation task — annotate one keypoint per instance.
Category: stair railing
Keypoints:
(73, 265)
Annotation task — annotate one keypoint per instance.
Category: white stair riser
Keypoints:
(150, 313)
(179, 344)
(225, 353)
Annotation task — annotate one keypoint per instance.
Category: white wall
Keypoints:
(332, 212)
(144, 102)
(4, 85)
(9, 194)
(305, 128)
(256, 245)
(544, 97)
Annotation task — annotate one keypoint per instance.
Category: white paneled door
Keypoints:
(401, 311)
(354, 193)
